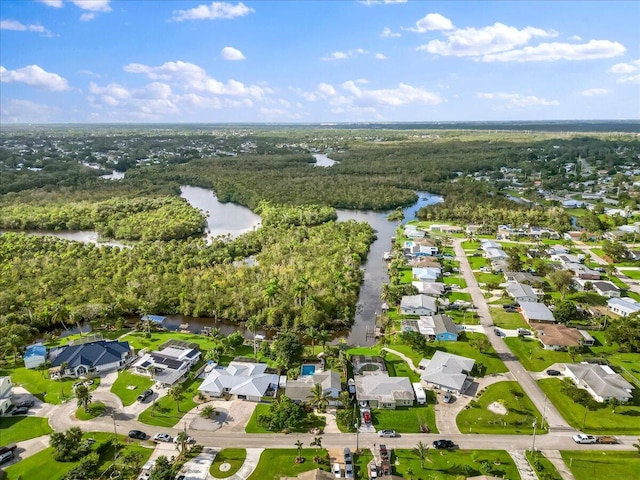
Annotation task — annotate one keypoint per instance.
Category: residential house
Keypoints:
(536, 312)
(523, 277)
(566, 259)
(557, 250)
(416, 250)
(433, 289)
(446, 228)
(425, 262)
(634, 255)
(380, 390)
(300, 390)
(582, 272)
(170, 364)
(6, 388)
(89, 358)
(418, 305)
(244, 380)
(444, 328)
(316, 474)
(561, 337)
(600, 381)
(495, 254)
(623, 306)
(35, 355)
(606, 289)
(488, 244)
(426, 274)
(521, 292)
(447, 371)
(411, 231)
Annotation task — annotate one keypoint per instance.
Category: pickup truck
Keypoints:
(8, 448)
(607, 440)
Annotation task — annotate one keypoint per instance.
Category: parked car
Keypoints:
(20, 411)
(553, 373)
(585, 439)
(348, 470)
(384, 453)
(524, 332)
(498, 333)
(373, 469)
(448, 397)
(366, 416)
(9, 448)
(443, 444)
(387, 433)
(137, 434)
(162, 437)
(337, 472)
(348, 458)
(6, 456)
(26, 403)
(144, 395)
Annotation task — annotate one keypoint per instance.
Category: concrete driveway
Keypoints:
(198, 468)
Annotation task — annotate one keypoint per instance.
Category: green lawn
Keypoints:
(457, 280)
(625, 420)
(406, 275)
(138, 340)
(406, 419)
(39, 384)
(165, 413)
(542, 466)
(95, 410)
(397, 367)
(533, 357)
(263, 408)
(465, 297)
(470, 245)
(35, 465)
(477, 262)
(634, 274)
(510, 321)
(280, 462)
(477, 418)
(455, 464)
(17, 429)
(233, 456)
(591, 465)
(490, 359)
(485, 278)
(128, 379)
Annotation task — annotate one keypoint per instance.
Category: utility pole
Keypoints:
(533, 443)
(357, 436)
(544, 411)
(115, 436)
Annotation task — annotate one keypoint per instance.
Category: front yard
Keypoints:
(590, 465)
(122, 386)
(165, 412)
(280, 462)
(503, 319)
(38, 383)
(406, 419)
(252, 426)
(17, 429)
(502, 408)
(533, 357)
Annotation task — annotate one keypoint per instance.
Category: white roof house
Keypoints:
(487, 244)
(382, 391)
(300, 390)
(429, 288)
(418, 305)
(169, 365)
(623, 306)
(600, 381)
(495, 253)
(536, 312)
(521, 292)
(248, 381)
(426, 274)
(447, 371)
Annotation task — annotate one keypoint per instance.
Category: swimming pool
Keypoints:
(308, 370)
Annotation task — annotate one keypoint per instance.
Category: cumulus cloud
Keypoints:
(387, 33)
(230, 53)
(191, 77)
(217, 10)
(344, 55)
(629, 72)
(34, 76)
(515, 100)
(93, 5)
(547, 52)
(430, 22)
(368, 3)
(592, 92)
(52, 3)
(87, 17)
(483, 41)
(25, 111)
(380, 56)
(17, 26)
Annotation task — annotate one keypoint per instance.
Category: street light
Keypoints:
(533, 443)
(357, 436)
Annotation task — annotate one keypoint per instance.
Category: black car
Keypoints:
(137, 434)
(553, 373)
(20, 411)
(443, 444)
(26, 404)
(144, 395)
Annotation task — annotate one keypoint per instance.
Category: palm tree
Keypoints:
(215, 352)
(176, 393)
(319, 398)
(207, 411)
(83, 396)
(317, 442)
(182, 439)
(299, 445)
(324, 336)
(312, 334)
(345, 399)
(252, 324)
(421, 450)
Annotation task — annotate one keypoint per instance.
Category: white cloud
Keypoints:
(193, 78)
(630, 79)
(629, 67)
(591, 92)
(52, 3)
(213, 12)
(369, 3)
(344, 55)
(380, 56)
(430, 22)
(402, 95)
(491, 39)
(547, 52)
(515, 100)
(577, 38)
(20, 27)
(230, 53)
(87, 17)
(25, 111)
(35, 76)
(93, 5)
(387, 33)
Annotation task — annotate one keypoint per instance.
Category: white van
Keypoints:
(337, 472)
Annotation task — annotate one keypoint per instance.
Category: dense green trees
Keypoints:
(626, 333)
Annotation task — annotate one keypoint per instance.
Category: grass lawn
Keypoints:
(402, 348)
(35, 465)
(518, 419)
(510, 321)
(280, 462)
(138, 340)
(451, 280)
(533, 357)
(406, 419)
(490, 359)
(360, 463)
(263, 408)
(485, 278)
(105, 334)
(542, 466)
(126, 379)
(470, 245)
(634, 274)
(467, 317)
(165, 413)
(590, 465)
(39, 384)
(17, 429)
(625, 420)
(95, 410)
(465, 297)
(455, 464)
(397, 367)
(406, 275)
(477, 262)
(233, 456)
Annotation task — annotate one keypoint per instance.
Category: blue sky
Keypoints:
(317, 61)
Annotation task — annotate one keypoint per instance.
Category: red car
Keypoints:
(367, 417)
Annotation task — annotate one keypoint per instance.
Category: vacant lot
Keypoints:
(590, 465)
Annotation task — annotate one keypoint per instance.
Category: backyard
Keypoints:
(234, 457)
(502, 408)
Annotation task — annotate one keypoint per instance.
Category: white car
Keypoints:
(583, 438)
(162, 437)
(337, 471)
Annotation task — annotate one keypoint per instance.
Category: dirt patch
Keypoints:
(497, 408)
